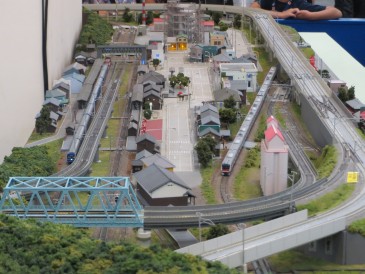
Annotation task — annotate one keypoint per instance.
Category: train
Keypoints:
(88, 113)
(242, 134)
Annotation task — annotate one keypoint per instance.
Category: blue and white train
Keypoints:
(242, 134)
(89, 111)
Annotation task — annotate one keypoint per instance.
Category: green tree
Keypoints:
(155, 63)
(222, 26)
(127, 16)
(216, 16)
(227, 115)
(204, 153)
(237, 21)
(95, 31)
(351, 93)
(180, 79)
(229, 102)
(44, 121)
(217, 231)
(33, 162)
(211, 142)
(342, 94)
(147, 113)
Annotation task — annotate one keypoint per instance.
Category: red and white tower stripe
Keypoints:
(143, 12)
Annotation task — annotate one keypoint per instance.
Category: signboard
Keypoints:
(352, 177)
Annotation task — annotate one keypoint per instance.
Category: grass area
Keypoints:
(54, 150)
(206, 186)
(329, 200)
(246, 183)
(36, 136)
(326, 162)
(357, 227)
(292, 261)
(103, 166)
(111, 132)
(279, 116)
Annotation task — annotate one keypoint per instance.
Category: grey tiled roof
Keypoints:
(142, 154)
(208, 130)
(206, 107)
(146, 136)
(158, 160)
(137, 94)
(210, 118)
(154, 177)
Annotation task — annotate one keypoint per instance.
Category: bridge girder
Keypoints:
(80, 201)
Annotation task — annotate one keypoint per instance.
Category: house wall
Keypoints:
(274, 169)
(168, 190)
(147, 145)
(21, 78)
(176, 201)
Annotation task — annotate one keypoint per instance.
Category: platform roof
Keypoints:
(338, 60)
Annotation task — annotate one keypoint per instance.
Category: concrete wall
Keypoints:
(341, 248)
(21, 77)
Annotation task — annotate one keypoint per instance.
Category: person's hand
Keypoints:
(290, 13)
(304, 14)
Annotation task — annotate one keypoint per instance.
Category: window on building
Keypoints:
(312, 246)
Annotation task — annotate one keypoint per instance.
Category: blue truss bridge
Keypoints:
(79, 201)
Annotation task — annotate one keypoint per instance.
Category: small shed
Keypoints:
(132, 129)
(147, 142)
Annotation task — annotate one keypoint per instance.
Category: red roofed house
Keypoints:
(274, 160)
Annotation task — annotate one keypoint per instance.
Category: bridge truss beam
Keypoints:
(79, 201)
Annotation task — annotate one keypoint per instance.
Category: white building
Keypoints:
(21, 78)
(240, 71)
(274, 160)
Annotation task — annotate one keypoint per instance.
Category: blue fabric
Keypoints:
(280, 6)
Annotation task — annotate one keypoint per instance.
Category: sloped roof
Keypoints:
(146, 136)
(157, 159)
(355, 104)
(151, 86)
(137, 93)
(206, 107)
(222, 58)
(209, 113)
(220, 95)
(53, 101)
(271, 118)
(209, 118)
(142, 154)
(55, 93)
(207, 131)
(142, 68)
(62, 85)
(76, 76)
(151, 92)
(154, 177)
(151, 76)
(135, 115)
(271, 132)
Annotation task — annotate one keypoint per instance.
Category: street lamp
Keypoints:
(201, 221)
(242, 226)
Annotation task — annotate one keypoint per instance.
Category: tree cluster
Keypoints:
(205, 150)
(345, 94)
(96, 30)
(228, 114)
(43, 121)
(179, 80)
(24, 162)
(31, 247)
